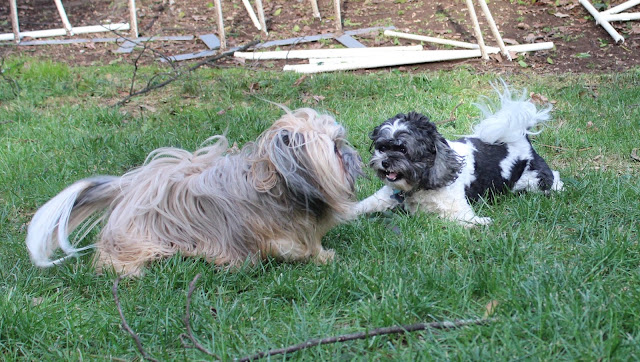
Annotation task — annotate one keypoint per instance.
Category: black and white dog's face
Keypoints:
(410, 154)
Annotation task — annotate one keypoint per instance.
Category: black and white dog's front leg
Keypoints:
(384, 199)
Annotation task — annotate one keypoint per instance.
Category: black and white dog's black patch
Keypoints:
(441, 176)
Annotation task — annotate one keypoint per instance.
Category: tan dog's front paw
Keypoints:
(325, 256)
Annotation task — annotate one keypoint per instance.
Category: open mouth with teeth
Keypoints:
(392, 176)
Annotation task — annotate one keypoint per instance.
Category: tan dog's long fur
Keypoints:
(276, 197)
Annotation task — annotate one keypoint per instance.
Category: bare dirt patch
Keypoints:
(581, 46)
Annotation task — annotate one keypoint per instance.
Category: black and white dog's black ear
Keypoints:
(446, 164)
(419, 120)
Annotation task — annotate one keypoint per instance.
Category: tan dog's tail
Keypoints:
(59, 217)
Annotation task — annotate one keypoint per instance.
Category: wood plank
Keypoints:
(349, 42)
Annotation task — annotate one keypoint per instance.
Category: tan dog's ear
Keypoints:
(262, 175)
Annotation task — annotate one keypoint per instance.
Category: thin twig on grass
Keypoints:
(564, 148)
(15, 87)
(367, 334)
(187, 323)
(179, 74)
(453, 117)
(125, 325)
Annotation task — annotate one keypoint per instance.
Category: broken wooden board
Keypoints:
(317, 65)
(283, 42)
(129, 44)
(349, 42)
(325, 53)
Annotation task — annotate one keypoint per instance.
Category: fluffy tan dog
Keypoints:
(276, 197)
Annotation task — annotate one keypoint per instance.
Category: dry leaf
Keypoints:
(561, 15)
(530, 38)
(510, 41)
(300, 80)
(490, 308)
(36, 301)
(148, 108)
(254, 87)
(634, 154)
(538, 98)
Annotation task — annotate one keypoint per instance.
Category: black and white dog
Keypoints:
(426, 172)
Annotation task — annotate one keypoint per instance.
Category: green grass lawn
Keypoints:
(564, 269)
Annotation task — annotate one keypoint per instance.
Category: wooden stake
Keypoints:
(223, 38)
(604, 23)
(252, 14)
(622, 7)
(63, 17)
(336, 4)
(263, 23)
(314, 7)
(14, 20)
(455, 43)
(494, 28)
(476, 29)
(620, 17)
(133, 19)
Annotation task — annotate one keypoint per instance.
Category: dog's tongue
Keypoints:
(392, 176)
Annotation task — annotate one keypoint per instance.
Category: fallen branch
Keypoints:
(367, 334)
(125, 325)
(187, 323)
(179, 74)
(294, 348)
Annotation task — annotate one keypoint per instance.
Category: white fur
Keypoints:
(380, 201)
(395, 127)
(450, 202)
(512, 121)
(54, 215)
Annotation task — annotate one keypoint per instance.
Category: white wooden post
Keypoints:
(63, 17)
(133, 19)
(263, 23)
(336, 4)
(622, 7)
(477, 31)
(455, 43)
(14, 20)
(620, 17)
(604, 23)
(314, 8)
(223, 39)
(494, 28)
(252, 14)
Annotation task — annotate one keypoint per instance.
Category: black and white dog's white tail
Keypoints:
(59, 217)
(513, 119)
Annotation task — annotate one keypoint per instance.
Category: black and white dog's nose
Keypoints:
(385, 163)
